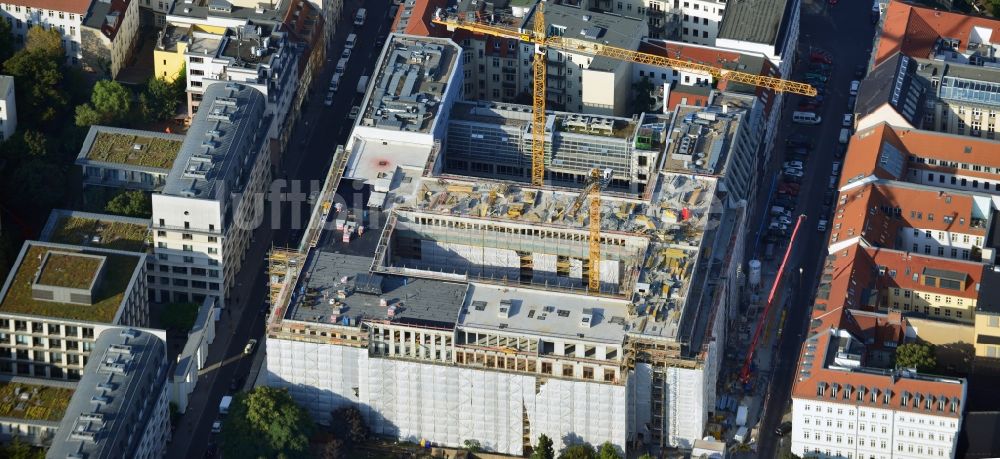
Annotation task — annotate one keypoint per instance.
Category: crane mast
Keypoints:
(538, 108)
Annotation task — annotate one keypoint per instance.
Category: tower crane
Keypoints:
(538, 36)
(596, 182)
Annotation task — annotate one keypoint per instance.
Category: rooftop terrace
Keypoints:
(70, 271)
(96, 230)
(36, 400)
(701, 139)
(146, 149)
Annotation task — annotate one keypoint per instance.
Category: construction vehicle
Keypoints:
(542, 41)
(746, 371)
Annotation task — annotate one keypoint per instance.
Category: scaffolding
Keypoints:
(283, 268)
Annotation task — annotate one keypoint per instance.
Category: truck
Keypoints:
(741, 415)
(224, 404)
(741, 435)
(362, 84)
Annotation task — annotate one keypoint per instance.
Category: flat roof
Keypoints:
(226, 10)
(341, 283)
(410, 83)
(545, 313)
(120, 269)
(70, 270)
(701, 138)
(130, 147)
(593, 26)
(989, 292)
(757, 21)
(34, 399)
(123, 380)
(97, 230)
(228, 126)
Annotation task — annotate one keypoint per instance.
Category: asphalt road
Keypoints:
(307, 159)
(846, 32)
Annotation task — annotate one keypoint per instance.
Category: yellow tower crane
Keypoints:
(543, 42)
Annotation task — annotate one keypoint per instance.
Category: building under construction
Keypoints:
(450, 305)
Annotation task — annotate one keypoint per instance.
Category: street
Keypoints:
(307, 158)
(845, 31)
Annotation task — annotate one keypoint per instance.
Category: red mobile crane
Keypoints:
(745, 372)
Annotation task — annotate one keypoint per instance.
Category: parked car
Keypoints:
(816, 76)
(793, 172)
(839, 151)
(848, 120)
(217, 426)
(821, 227)
(859, 71)
(821, 58)
(346, 54)
(808, 106)
(355, 110)
(328, 100)
(783, 429)
(793, 165)
(248, 349)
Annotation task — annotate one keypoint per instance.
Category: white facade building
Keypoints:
(68, 19)
(213, 197)
(8, 108)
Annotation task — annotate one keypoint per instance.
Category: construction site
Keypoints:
(512, 272)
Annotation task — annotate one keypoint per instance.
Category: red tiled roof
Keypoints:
(813, 371)
(680, 93)
(866, 145)
(419, 22)
(69, 6)
(913, 30)
(869, 212)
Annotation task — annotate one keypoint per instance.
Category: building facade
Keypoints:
(50, 322)
(8, 107)
(121, 403)
(213, 196)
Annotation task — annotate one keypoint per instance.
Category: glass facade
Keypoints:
(979, 92)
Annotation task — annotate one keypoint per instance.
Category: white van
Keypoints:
(341, 65)
(806, 118)
(854, 87)
(359, 18)
(351, 39)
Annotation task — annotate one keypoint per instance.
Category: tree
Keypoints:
(40, 179)
(109, 103)
(919, 356)
(266, 422)
(19, 449)
(348, 424)
(44, 43)
(643, 101)
(543, 450)
(333, 449)
(133, 203)
(160, 99)
(994, 7)
(37, 76)
(473, 446)
(35, 144)
(179, 316)
(578, 451)
(7, 46)
(608, 451)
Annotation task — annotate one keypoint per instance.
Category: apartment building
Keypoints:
(770, 29)
(121, 404)
(40, 406)
(213, 196)
(987, 326)
(58, 298)
(8, 108)
(256, 53)
(500, 69)
(127, 158)
(440, 282)
(97, 35)
(154, 12)
(848, 402)
(939, 160)
(933, 70)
